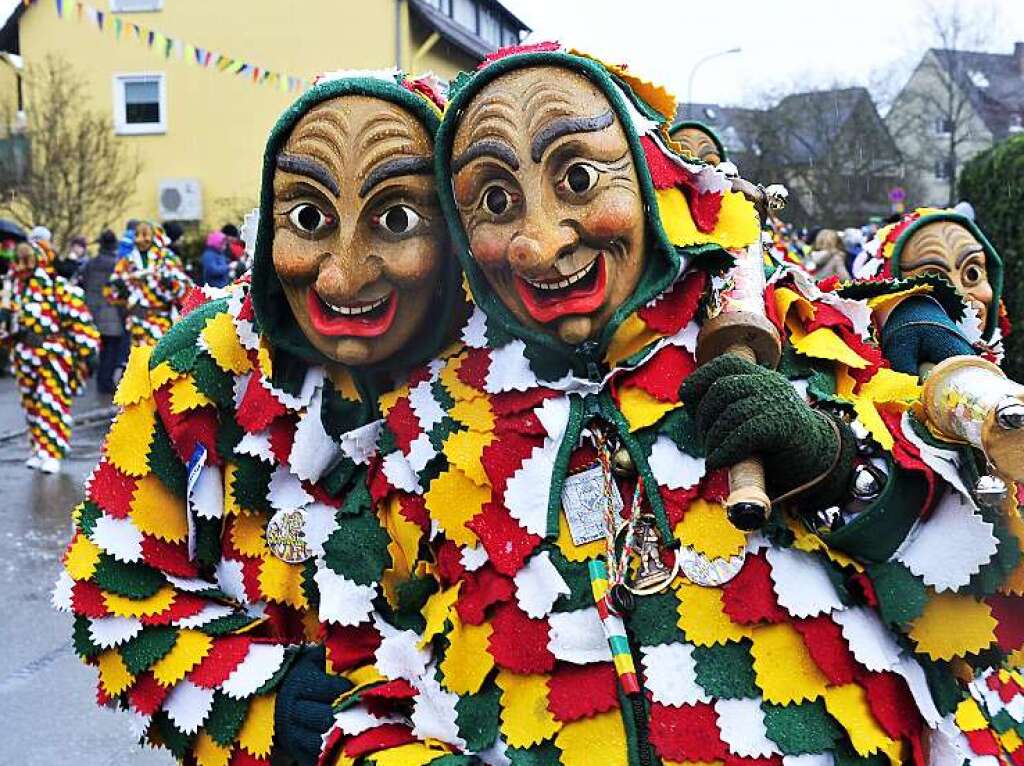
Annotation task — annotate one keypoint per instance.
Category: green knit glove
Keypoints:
(741, 410)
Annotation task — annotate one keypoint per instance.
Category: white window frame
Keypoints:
(124, 128)
(115, 7)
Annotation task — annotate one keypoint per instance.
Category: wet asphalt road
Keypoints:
(48, 712)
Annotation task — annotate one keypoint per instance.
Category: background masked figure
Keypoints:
(149, 283)
(553, 492)
(55, 343)
(201, 569)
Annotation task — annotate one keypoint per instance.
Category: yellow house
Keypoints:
(195, 85)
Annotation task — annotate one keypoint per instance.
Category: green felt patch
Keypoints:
(680, 427)
(726, 670)
(358, 549)
(845, 755)
(275, 679)
(654, 620)
(251, 484)
(136, 581)
(901, 594)
(945, 689)
(412, 596)
(798, 729)
(544, 754)
(183, 335)
(478, 716)
(89, 515)
(309, 586)
(165, 463)
(213, 382)
(1008, 554)
(229, 434)
(1003, 722)
(173, 738)
(143, 651)
(581, 595)
(208, 548)
(82, 641)
(227, 625)
(225, 718)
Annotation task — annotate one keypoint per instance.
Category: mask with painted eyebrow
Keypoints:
(950, 250)
(698, 144)
(548, 194)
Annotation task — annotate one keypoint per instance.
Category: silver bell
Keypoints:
(868, 482)
(827, 520)
(990, 491)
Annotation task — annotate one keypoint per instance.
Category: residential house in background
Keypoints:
(955, 105)
(199, 127)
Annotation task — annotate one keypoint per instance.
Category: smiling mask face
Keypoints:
(357, 246)
(549, 197)
(951, 251)
(699, 144)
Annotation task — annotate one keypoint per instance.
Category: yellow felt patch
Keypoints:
(163, 374)
(738, 224)
(656, 96)
(157, 511)
(257, 733)
(460, 392)
(345, 384)
(570, 550)
(467, 661)
(969, 716)
(452, 500)
(702, 618)
(525, 718)
(602, 733)
(824, 343)
(135, 385)
(890, 386)
(185, 396)
(1010, 740)
(476, 414)
(810, 543)
(130, 436)
(264, 360)
(630, 337)
(785, 671)
(188, 651)
(436, 611)
(247, 535)
(849, 705)
(953, 626)
(464, 449)
(122, 606)
(114, 675)
(706, 528)
(883, 304)
(231, 504)
(641, 409)
(413, 754)
(282, 582)
(786, 299)
(209, 753)
(1014, 583)
(222, 344)
(868, 415)
(403, 547)
(388, 399)
(81, 559)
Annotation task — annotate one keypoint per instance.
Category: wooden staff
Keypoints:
(736, 324)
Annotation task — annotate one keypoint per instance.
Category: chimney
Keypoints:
(1018, 56)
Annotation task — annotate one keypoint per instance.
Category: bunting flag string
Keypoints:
(171, 47)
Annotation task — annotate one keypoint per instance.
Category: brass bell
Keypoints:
(622, 464)
(990, 491)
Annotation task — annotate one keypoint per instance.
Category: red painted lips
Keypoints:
(361, 320)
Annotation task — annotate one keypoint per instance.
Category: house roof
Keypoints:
(811, 137)
(9, 31)
(458, 35)
(993, 82)
(732, 124)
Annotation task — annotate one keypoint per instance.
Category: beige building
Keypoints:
(198, 130)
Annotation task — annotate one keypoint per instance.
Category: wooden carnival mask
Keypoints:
(699, 144)
(549, 197)
(356, 244)
(143, 237)
(950, 250)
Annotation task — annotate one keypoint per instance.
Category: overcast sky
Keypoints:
(806, 42)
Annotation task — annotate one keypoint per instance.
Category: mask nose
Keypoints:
(534, 249)
(343, 277)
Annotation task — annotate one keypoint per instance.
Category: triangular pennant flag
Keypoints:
(150, 37)
(118, 26)
(99, 19)
(60, 8)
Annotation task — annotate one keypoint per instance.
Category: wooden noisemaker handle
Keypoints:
(748, 504)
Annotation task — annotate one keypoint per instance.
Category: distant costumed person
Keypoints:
(149, 284)
(54, 347)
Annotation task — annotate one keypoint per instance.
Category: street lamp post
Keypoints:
(698, 65)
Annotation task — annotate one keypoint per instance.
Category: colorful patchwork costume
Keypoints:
(482, 579)
(54, 342)
(150, 287)
(195, 572)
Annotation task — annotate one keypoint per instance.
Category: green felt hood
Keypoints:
(664, 260)
(273, 314)
(993, 263)
(683, 124)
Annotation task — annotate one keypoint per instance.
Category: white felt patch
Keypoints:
(527, 490)
(578, 637)
(421, 452)
(229, 579)
(190, 584)
(107, 632)
(473, 558)
(356, 720)
(672, 467)
(538, 586)
(188, 705)
(206, 615)
(400, 474)
(359, 443)
(808, 759)
(949, 547)
(286, 492)
(946, 463)
(872, 645)
(434, 714)
(320, 524)
(258, 667)
(914, 675)
(118, 537)
(257, 444)
(509, 370)
(428, 410)
(207, 495)
(399, 655)
(343, 601)
(553, 414)
(670, 674)
(313, 380)
(312, 450)
(474, 334)
(741, 722)
(60, 596)
(496, 754)
(801, 583)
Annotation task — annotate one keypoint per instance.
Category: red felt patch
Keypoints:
(448, 563)
(520, 643)
(671, 312)
(282, 436)
(907, 455)
(193, 299)
(662, 374)
(582, 457)
(246, 312)
(226, 655)
(184, 605)
(892, 704)
(827, 647)
(187, 429)
(1009, 614)
(348, 647)
(749, 598)
(403, 424)
(983, 742)
(111, 490)
(146, 695)
(581, 691)
(714, 485)
(510, 402)
(258, 406)
(474, 368)
(480, 590)
(170, 558)
(686, 733)
(414, 509)
(826, 315)
(677, 501)
(544, 47)
(251, 577)
(241, 758)
(399, 689)
(87, 600)
(380, 738)
(736, 760)
(507, 543)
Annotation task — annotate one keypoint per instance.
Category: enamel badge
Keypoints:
(286, 536)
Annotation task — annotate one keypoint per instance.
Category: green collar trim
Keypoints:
(704, 127)
(993, 263)
(665, 262)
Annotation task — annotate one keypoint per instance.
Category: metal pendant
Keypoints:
(706, 571)
(990, 491)
(286, 536)
(651, 574)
